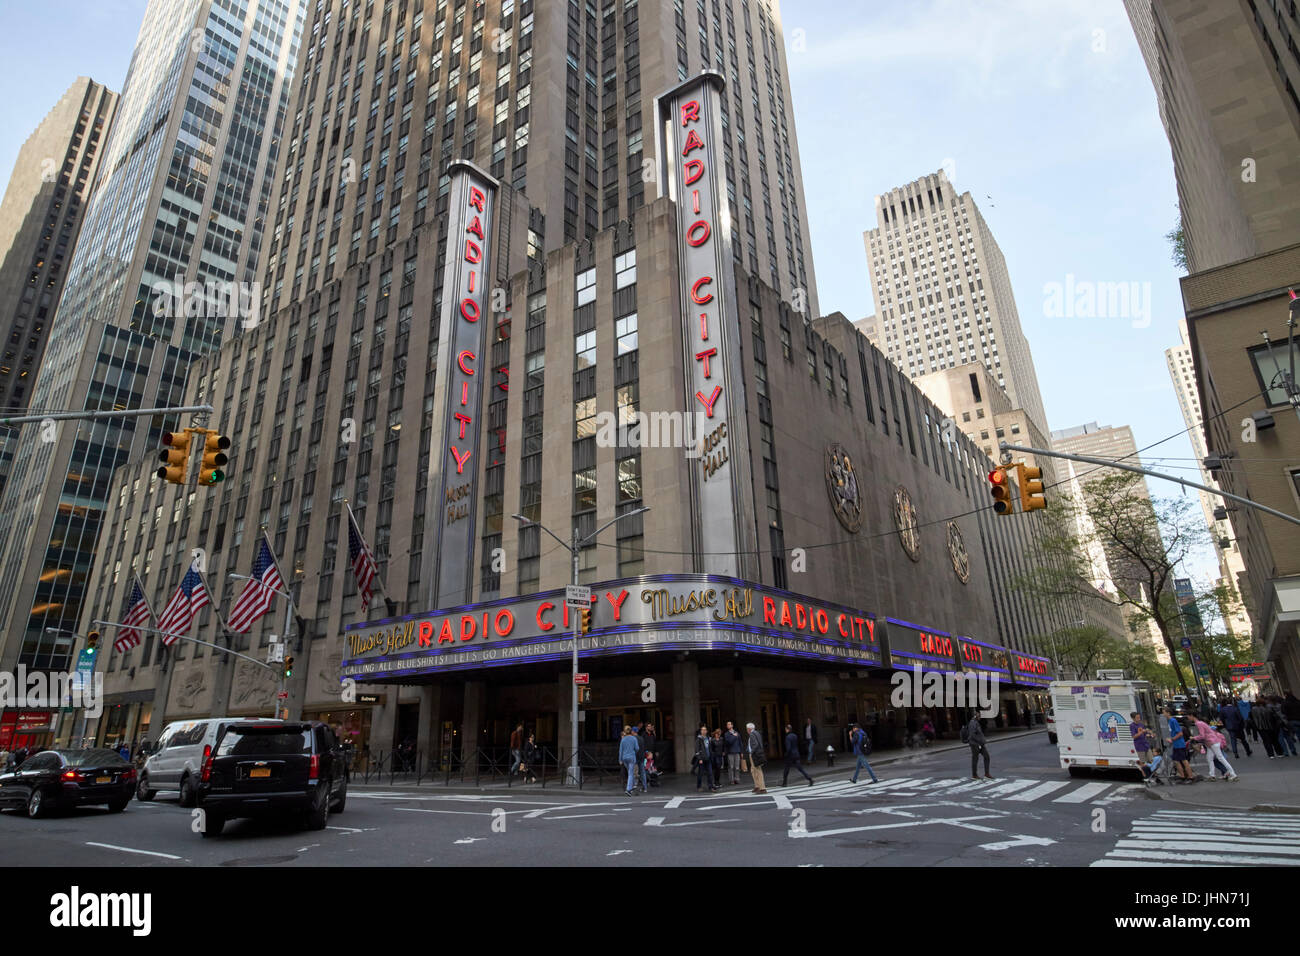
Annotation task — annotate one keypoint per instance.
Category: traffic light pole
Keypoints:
(115, 413)
(1106, 463)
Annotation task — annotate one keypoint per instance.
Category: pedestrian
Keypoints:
(124, 751)
(638, 734)
(1291, 711)
(516, 749)
(756, 757)
(1243, 708)
(717, 755)
(627, 757)
(978, 745)
(1213, 743)
(529, 758)
(702, 761)
(1178, 745)
(1234, 727)
(731, 741)
(648, 741)
(861, 742)
(792, 757)
(1285, 739)
(1142, 744)
(810, 739)
(1265, 724)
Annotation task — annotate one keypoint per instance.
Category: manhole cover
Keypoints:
(260, 860)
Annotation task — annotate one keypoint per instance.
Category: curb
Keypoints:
(1257, 808)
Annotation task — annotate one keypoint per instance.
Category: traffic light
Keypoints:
(214, 459)
(92, 642)
(584, 620)
(1000, 490)
(584, 695)
(288, 667)
(1031, 489)
(175, 457)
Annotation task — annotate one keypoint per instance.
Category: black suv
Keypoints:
(261, 767)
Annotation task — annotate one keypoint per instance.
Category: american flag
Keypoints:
(255, 600)
(362, 561)
(189, 599)
(137, 613)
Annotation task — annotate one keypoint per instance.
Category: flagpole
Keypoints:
(288, 593)
(388, 601)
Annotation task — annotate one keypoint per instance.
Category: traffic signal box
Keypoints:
(214, 459)
(584, 621)
(1031, 488)
(288, 667)
(92, 642)
(175, 457)
(1001, 491)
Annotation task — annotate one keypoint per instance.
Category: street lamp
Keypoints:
(574, 772)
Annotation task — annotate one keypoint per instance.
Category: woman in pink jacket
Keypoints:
(1213, 742)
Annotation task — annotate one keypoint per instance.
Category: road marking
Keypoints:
(617, 852)
(952, 821)
(659, 822)
(470, 840)
(1223, 837)
(1042, 790)
(969, 785)
(462, 813)
(1018, 840)
(1003, 790)
(1086, 792)
(127, 849)
(782, 801)
(674, 803)
(304, 849)
(579, 816)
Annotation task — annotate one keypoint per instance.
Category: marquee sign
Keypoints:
(1033, 670)
(648, 613)
(462, 366)
(689, 143)
(911, 644)
(976, 655)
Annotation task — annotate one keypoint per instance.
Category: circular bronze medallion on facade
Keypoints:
(957, 553)
(905, 518)
(842, 487)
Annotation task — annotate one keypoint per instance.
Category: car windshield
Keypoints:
(93, 758)
(261, 741)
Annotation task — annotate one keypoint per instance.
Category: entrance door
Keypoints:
(769, 713)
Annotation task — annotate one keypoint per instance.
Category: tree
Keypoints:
(1178, 244)
(1144, 542)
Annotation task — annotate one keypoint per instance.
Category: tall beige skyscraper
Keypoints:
(1226, 76)
(1231, 566)
(942, 290)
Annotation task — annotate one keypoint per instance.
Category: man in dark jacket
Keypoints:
(978, 745)
(810, 739)
(731, 743)
(756, 757)
(1235, 726)
(702, 761)
(861, 744)
(792, 757)
(1291, 711)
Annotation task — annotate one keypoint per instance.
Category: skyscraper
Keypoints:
(165, 267)
(1226, 77)
(40, 220)
(930, 257)
(1231, 567)
(415, 284)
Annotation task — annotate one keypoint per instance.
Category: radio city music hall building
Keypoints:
(828, 533)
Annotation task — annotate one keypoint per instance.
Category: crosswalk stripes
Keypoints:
(1222, 837)
(1018, 790)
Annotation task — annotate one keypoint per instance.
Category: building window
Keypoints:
(585, 287)
(625, 330)
(624, 270)
(584, 347)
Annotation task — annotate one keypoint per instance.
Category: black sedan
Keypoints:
(59, 779)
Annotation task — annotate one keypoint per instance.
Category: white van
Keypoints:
(1092, 722)
(176, 760)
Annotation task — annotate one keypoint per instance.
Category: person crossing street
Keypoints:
(861, 742)
(978, 745)
(792, 757)
(756, 757)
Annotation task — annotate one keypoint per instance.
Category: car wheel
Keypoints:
(213, 824)
(36, 806)
(1074, 772)
(142, 791)
(187, 799)
(118, 806)
(319, 814)
(342, 801)
(1051, 738)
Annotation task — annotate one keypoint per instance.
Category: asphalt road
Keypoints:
(925, 811)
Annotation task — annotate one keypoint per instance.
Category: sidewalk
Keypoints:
(1267, 786)
(674, 784)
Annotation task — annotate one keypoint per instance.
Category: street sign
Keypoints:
(1186, 642)
(275, 652)
(283, 695)
(577, 595)
(582, 678)
(1196, 658)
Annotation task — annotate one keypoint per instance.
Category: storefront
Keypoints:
(32, 729)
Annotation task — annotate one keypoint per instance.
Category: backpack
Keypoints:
(864, 742)
(965, 733)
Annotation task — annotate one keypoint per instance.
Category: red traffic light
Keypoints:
(1000, 490)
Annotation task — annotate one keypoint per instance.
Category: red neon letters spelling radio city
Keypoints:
(698, 233)
(469, 312)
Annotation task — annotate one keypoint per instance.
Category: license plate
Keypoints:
(103, 780)
(260, 772)
(1103, 763)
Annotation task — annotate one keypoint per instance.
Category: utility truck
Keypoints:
(1093, 722)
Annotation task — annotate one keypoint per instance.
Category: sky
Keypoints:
(1042, 109)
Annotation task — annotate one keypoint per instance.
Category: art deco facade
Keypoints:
(942, 290)
(181, 202)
